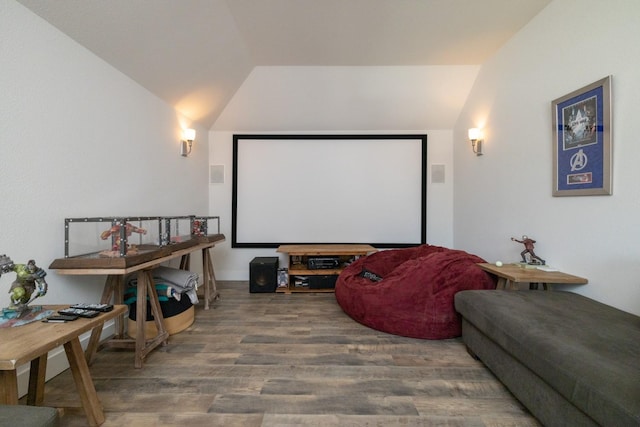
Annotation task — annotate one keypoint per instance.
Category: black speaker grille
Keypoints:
(263, 274)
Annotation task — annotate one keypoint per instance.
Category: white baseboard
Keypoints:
(57, 359)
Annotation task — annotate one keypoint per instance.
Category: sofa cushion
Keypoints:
(28, 416)
(587, 351)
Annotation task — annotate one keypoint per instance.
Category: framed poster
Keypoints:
(582, 141)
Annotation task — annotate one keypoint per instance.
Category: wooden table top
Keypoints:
(22, 344)
(145, 265)
(519, 274)
(326, 249)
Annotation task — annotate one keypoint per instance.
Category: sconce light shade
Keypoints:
(188, 135)
(475, 136)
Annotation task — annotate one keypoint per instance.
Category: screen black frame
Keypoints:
(237, 138)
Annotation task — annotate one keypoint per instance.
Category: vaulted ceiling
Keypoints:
(195, 54)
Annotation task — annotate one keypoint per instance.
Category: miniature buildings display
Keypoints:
(115, 242)
(179, 229)
(111, 236)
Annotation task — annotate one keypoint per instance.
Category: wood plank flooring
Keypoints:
(291, 360)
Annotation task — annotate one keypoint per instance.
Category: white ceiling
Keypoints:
(195, 54)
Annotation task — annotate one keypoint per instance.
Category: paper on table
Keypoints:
(547, 268)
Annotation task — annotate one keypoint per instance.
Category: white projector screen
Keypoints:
(304, 189)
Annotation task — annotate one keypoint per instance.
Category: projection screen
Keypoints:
(305, 189)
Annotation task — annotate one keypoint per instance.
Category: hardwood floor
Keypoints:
(291, 360)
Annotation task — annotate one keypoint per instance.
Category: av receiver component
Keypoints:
(320, 263)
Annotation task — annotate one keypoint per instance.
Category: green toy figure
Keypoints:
(29, 283)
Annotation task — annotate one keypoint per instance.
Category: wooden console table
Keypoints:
(114, 289)
(510, 274)
(299, 255)
(33, 341)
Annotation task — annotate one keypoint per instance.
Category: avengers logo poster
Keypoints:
(582, 141)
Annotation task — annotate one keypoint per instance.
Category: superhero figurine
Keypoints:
(528, 249)
(29, 283)
(116, 236)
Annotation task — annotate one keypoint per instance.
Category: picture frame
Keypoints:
(582, 144)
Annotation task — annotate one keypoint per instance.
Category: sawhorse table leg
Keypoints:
(209, 279)
(146, 287)
(114, 288)
(208, 276)
(37, 373)
(84, 383)
(8, 387)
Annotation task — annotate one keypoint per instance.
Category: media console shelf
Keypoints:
(322, 275)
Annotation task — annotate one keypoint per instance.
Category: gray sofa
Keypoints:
(570, 360)
(28, 416)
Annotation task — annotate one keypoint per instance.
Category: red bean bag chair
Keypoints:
(410, 291)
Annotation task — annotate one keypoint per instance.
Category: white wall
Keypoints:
(233, 264)
(342, 100)
(79, 139)
(314, 98)
(507, 192)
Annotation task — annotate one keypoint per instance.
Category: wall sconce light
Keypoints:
(188, 135)
(475, 136)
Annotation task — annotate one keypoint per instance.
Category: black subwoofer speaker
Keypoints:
(263, 274)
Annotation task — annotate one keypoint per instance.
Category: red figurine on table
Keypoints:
(114, 232)
(528, 249)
